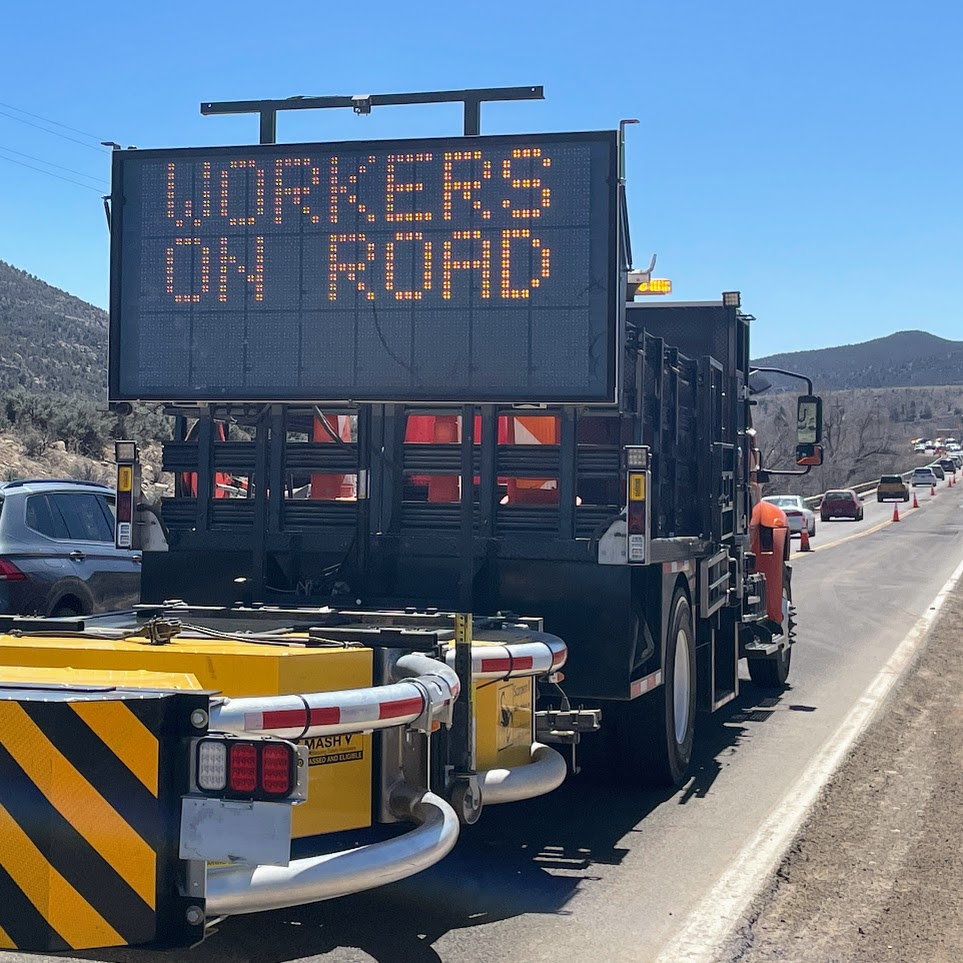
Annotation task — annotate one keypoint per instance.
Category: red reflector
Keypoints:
(276, 770)
(9, 572)
(124, 506)
(636, 520)
(242, 768)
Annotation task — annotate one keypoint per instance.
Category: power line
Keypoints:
(59, 167)
(59, 177)
(56, 123)
(56, 133)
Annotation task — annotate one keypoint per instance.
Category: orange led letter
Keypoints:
(344, 190)
(462, 186)
(539, 196)
(352, 270)
(204, 274)
(482, 264)
(299, 171)
(544, 266)
(414, 295)
(189, 210)
(393, 187)
(250, 212)
(255, 276)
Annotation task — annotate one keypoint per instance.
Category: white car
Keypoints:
(797, 514)
(924, 476)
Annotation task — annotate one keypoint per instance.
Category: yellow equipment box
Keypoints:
(504, 715)
(339, 780)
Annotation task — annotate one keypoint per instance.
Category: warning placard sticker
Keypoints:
(326, 750)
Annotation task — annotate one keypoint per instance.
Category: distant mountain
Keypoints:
(904, 359)
(50, 341)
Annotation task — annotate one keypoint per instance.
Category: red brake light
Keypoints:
(242, 767)
(9, 572)
(276, 770)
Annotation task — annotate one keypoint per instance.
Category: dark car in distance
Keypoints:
(841, 503)
(57, 554)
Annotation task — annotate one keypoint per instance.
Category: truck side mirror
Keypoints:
(809, 455)
(809, 421)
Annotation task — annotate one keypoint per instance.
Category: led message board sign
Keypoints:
(464, 269)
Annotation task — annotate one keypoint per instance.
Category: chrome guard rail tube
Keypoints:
(512, 653)
(427, 696)
(232, 891)
(545, 772)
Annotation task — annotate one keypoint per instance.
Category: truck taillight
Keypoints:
(276, 770)
(9, 572)
(245, 769)
(242, 768)
(212, 765)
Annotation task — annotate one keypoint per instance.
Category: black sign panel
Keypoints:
(465, 269)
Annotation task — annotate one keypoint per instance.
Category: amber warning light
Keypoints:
(479, 269)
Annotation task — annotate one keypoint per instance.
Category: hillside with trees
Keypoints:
(50, 341)
(903, 359)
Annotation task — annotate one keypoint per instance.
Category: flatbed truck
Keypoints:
(394, 611)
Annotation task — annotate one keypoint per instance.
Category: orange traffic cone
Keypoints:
(932, 489)
(916, 504)
(895, 512)
(804, 540)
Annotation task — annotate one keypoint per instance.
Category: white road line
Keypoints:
(708, 926)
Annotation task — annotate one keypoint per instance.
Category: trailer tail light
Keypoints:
(276, 770)
(230, 768)
(9, 572)
(212, 766)
(636, 504)
(242, 768)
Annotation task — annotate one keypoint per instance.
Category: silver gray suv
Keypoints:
(57, 554)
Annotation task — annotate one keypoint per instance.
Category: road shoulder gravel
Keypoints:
(874, 874)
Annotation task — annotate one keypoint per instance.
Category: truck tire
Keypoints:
(649, 740)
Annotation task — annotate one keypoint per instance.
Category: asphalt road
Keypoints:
(610, 875)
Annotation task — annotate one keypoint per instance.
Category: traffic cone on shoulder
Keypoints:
(916, 504)
(804, 540)
(932, 489)
(895, 512)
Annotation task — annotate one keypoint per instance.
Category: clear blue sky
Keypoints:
(810, 155)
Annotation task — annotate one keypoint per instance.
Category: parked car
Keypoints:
(920, 448)
(937, 470)
(797, 514)
(923, 476)
(948, 465)
(841, 503)
(892, 486)
(57, 554)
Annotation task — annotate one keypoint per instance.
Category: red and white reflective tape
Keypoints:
(496, 655)
(673, 568)
(348, 710)
(645, 684)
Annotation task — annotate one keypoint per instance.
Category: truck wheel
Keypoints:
(650, 739)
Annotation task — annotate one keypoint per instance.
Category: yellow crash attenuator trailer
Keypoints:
(339, 780)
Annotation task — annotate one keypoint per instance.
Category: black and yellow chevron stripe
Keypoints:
(80, 823)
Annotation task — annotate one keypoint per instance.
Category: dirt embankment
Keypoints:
(876, 875)
(55, 462)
